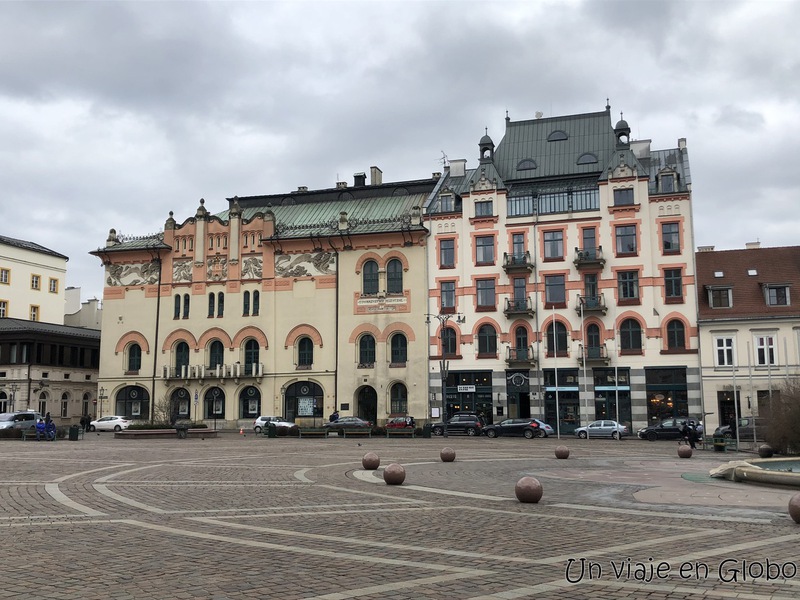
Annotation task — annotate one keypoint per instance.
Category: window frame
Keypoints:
(716, 293)
(366, 351)
(552, 284)
(52, 285)
(445, 295)
(724, 348)
(676, 335)
(305, 352)
(5, 276)
(487, 341)
(628, 287)
(36, 282)
(774, 299)
(447, 253)
(671, 240)
(624, 197)
(626, 240)
(630, 337)
(484, 208)
(394, 277)
(369, 278)
(673, 283)
(398, 349)
(485, 290)
(553, 242)
(484, 250)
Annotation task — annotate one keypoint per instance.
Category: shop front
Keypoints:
(470, 391)
(562, 400)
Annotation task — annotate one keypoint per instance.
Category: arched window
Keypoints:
(399, 349)
(592, 336)
(134, 357)
(177, 312)
(399, 395)
(216, 354)
(521, 337)
(246, 304)
(251, 357)
(249, 403)
(630, 333)
(220, 304)
(186, 306)
(676, 335)
(211, 304)
(557, 339)
(256, 300)
(366, 351)
(305, 352)
(370, 278)
(449, 342)
(181, 358)
(487, 340)
(394, 277)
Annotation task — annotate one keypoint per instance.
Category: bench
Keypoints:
(404, 432)
(726, 444)
(30, 434)
(317, 432)
(199, 432)
(357, 432)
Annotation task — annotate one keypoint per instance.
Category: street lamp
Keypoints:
(444, 365)
(101, 397)
(13, 387)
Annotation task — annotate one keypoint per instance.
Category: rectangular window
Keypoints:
(777, 295)
(667, 183)
(517, 206)
(5, 276)
(554, 290)
(448, 296)
(484, 250)
(720, 298)
(36, 282)
(518, 245)
(484, 209)
(589, 241)
(553, 244)
(486, 296)
(623, 197)
(447, 253)
(53, 286)
(447, 203)
(34, 312)
(671, 238)
(628, 284)
(626, 239)
(724, 347)
(3, 309)
(673, 285)
(765, 350)
(64, 408)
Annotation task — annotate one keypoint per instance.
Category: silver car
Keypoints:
(603, 428)
(21, 419)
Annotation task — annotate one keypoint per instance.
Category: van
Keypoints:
(21, 419)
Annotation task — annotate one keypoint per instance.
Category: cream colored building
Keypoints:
(562, 277)
(295, 304)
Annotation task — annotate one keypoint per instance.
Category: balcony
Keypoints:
(518, 306)
(236, 370)
(520, 357)
(593, 355)
(591, 305)
(517, 263)
(589, 258)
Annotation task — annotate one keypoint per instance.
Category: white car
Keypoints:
(113, 423)
(262, 422)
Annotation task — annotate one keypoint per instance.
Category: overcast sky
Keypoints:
(114, 113)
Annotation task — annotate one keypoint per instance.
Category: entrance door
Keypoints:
(368, 404)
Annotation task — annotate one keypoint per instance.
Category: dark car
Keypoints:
(745, 430)
(347, 423)
(668, 429)
(529, 428)
(461, 422)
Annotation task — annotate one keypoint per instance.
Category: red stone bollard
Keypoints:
(794, 508)
(370, 462)
(562, 452)
(685, 451)
(447, 455)
(528, 489)
(394, 474)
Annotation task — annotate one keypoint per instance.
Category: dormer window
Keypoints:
(720, 296)
(776, 294)
(587, 158)
(526, 164)
(667, 183)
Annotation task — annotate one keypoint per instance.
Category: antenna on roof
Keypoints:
(444, 160)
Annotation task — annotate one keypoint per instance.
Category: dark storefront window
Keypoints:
(667, 394)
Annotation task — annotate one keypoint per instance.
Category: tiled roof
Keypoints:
(145, 242)
(22, 327)
(746, 272)
(25, 245)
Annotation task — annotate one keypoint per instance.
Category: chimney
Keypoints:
(705, 248)
(360, 179)
(375, 176)
(458, 167)
(752, 245)
(341, 185)
(436, 175)
(302, 188)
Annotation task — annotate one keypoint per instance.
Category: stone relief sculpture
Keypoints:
(182, 271)
(251, 267)
(144, 273)
(305, 265)
(217, 268)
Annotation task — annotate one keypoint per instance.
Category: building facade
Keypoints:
(294, 304)
(749, 326)
(562, 277)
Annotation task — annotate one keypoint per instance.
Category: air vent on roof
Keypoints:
(752, 272)
(719, 274)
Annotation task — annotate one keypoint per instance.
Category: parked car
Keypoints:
(264, 420)
(529, 428)
(603, 428)
(745, 429)
(461, 422)
(347, 423)
(401, 422)
(20, 419)
(111, 423)
(667, 429)
(546, 428)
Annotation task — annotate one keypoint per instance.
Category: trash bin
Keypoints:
(426, 430)
(272, 430)
(73, 433)
(719, 444)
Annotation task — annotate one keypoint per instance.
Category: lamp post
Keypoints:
(101, 397)
(13, 387)
(444, 365)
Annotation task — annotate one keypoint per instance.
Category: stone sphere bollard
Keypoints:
(447, 455)
(394, 474)
(794, 508)
(370, 461)
(765, 451)
(528, 489)
(685, 451)
(562, 452)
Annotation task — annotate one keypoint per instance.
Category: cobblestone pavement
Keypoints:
(243, 516)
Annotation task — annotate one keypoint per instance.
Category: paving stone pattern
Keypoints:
(250, 517)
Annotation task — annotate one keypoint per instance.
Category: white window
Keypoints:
(36, 282)
(54, 286)
(776, 295)
(765, 350)
(5, 276)
(34, 313)
(3, 309)
(724, 348)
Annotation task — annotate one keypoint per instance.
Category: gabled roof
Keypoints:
(746, 272)
(31, 246)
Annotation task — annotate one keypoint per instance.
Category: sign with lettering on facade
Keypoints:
(305, 407)
(466, 388)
